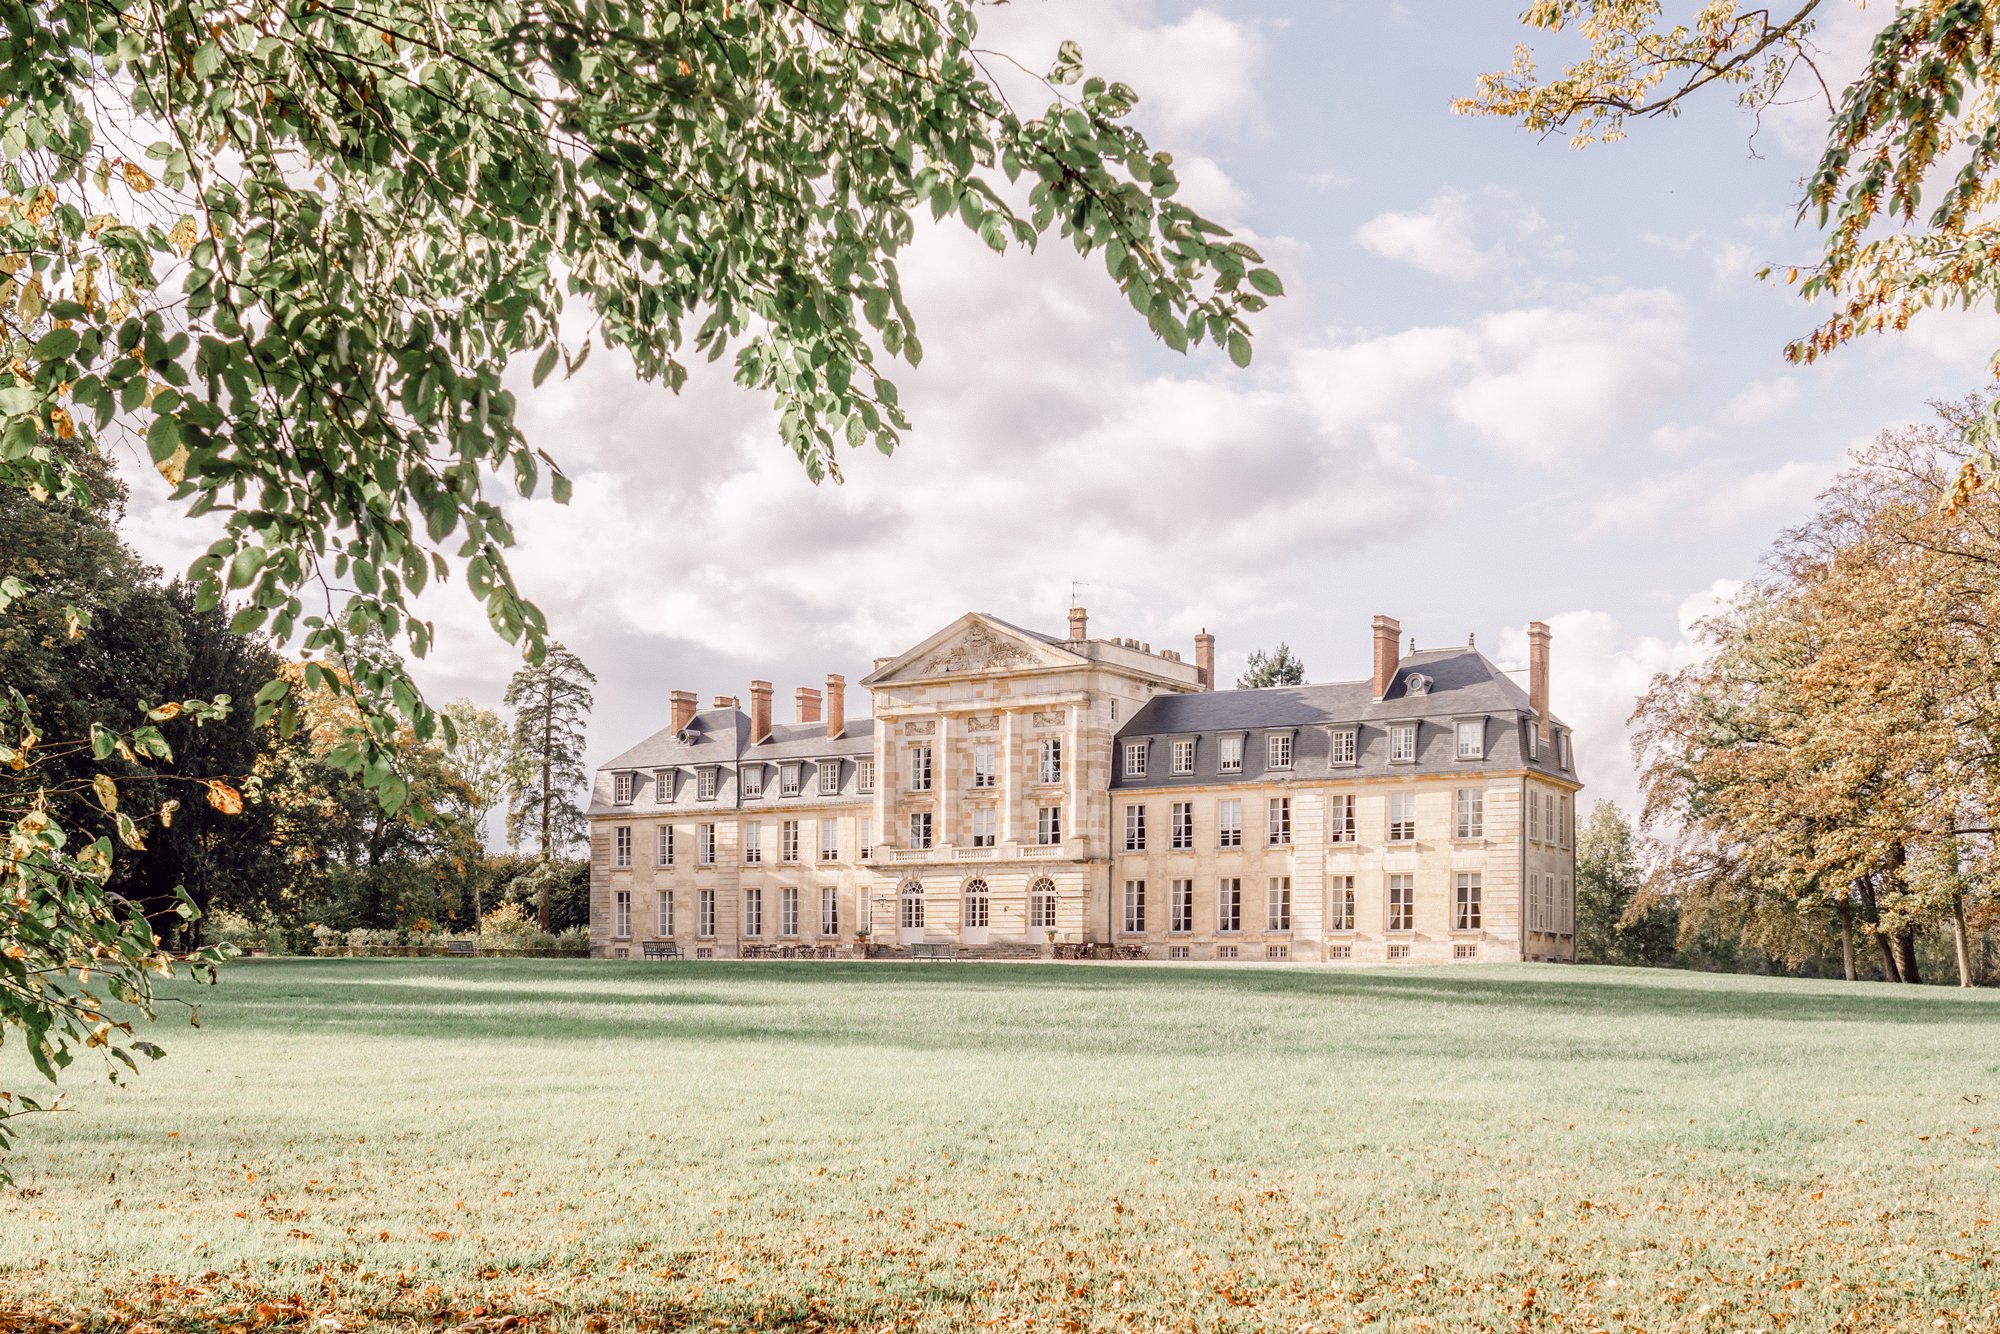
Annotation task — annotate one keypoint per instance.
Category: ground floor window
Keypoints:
(1340, 903)
(978, 904)
(621, 914)
(829, 912)
(1229, 904)
(666, 923)
(1402, 902)
(1181, 918)
(1465, 906)
(1278, 904)
(913, 906)
(788, 911)
(1042, 904)
(1135, 907)
(753, 912)
(704, 912)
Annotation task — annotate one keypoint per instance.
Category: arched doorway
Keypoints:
(1041, 908)
(910, 913)
(978, 913)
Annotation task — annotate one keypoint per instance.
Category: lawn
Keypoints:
(455, 1143)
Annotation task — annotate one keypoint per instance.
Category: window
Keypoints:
(864, 776)
(1465, 903)
(1277, 951)
(1562, 821)
(663, 852)
(1048, 768)
(1181, 905)
(704, 913)
(1180, 828)
(1399, 952)
(982, 827)
(1229, 754)
(1177, 951)
(1229, 823)
(753, 781)
(753, 912)
(788, 841)
(1340, 746)
(920, 768)
(788, 780)
(1469, 813)
(621, 846)
(1278, 822)
(984, 772)
(1048, 826)
(1471, 738)
(1465, 951)
(864, 829)
(1534, 738)
(1135, 759)
(912, 900)
(1280, 750)
(1402, 743)
(1340, 903)
(1340, 951)
(829, 778)
(829, 840)
(1534, 815)
(705, 785)
(978, 904)
(1042, 904)
(1229, 905)
(622, 788)
(1278, 904)
(1340, 818)
(829, 912)
(665, 909)
(1135, 907)
(621, 914)
(1225, 951)
(1562, 750)
(920, 829)
(1135, 829)
(788, 912)
(1566, 909)
(704, 844)
(1537, 920)
(753, 844)
(1402, 817)
(663, 786)
(1183, 757)
(1402, 902)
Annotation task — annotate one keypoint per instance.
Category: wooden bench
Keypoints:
(935, 951)
(466, 947)
(661, 949)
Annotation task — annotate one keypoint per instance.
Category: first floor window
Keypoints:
(788, 841)
(829, 912)
(666, 912)
(1135, 759)
(704, 913)
(621, 914)
(1469, 814)
(1340, 903)
(665, 849)
(920, 829)
(1042, 904)
(1135, 829)
(978, 904)
(1280, 821)
(1465, 904)
(1181, 902)
(1183, 757)
(829, 840)
(753, 912)
(1402, 817)
(1048, 826)
(1278, 904)
(1340, 818)
(753, 843)
(920, 768)
(1181, 831)
(1229, 905)
(1049, 768)
(983, 820)
(913, 906)
(704, 844)
(621, 846)
(788, 911)
(1402, 902)
(1229, 823)
(864, 830)
(1135, 907)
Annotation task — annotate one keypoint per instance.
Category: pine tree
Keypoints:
(1278, 668)
(551, 703)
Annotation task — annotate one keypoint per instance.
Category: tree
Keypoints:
(1613, 925)
(482, 755)
(1280, 668)
(551, 704)
(1915, 122)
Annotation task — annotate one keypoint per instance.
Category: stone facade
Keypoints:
(1015, 791)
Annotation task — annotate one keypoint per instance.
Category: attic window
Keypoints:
(1229, 753)
(1562, 749)
(1402, 743)
(753, 780)
(1471, 738)
(829, 777)
(1416, 683)
(663, 786)
(705, 789)
(622, 787)
(1340, 745)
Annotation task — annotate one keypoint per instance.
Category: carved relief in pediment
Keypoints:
(979, 649)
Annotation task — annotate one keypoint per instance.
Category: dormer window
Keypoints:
(788, 780)
(622, 787)
(1229, 754)
(829, 778)
(1416, 683)
(663, 786)
(1135, 759)
(1562, 750)
(753, 781)
(1471, 738)
(1279, 752)
(1402, 743)
(1534, 739)
(1184, 757)
(1341, 746)
(705, 785)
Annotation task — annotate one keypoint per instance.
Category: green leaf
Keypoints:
(1266, 282)
(1239, 348)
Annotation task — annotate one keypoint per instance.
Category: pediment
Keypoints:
(974, 645)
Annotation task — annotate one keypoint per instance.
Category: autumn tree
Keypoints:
(1280, 667)
(551, 703)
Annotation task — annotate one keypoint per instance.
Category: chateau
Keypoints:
(1018, 794)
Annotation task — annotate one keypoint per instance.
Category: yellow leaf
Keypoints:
(224, 798)
(174, 466)
(135, 177)
(107, 791)
(182, 236)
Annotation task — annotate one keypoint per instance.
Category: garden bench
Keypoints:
(935, 951)
(466, 947)
(660, 949)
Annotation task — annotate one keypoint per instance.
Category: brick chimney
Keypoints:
(726, 702)
(760, 711)
(808, 701)
(1538, 675)
(836, 706)
(1204, 659)
(683, 702)
(1387, 631)
(1079, 619)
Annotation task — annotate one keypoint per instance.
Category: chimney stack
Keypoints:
(1538, 675)
(836, 706)
(1387, 631)
(725, 702)
(808, 702)
(1204, 659)
(1078, 620)
(760, 711)
(683, 703)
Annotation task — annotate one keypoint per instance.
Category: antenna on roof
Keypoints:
(1075, 587)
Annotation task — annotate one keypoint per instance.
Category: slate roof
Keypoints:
(722, 736)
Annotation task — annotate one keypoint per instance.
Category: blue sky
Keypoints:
(1510, 381)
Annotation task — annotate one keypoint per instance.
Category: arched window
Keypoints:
(978, 903)
(912, 896)
(1042, 903)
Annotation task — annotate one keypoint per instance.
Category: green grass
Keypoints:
(884, 1146)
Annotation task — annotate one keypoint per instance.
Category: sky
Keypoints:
(1509, 381)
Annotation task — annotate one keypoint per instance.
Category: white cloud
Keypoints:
(1458, 236)
(1755, 403)
(1710, 497)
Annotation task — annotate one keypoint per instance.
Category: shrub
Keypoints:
(223, 927)
(506, 927)
(574, 941)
